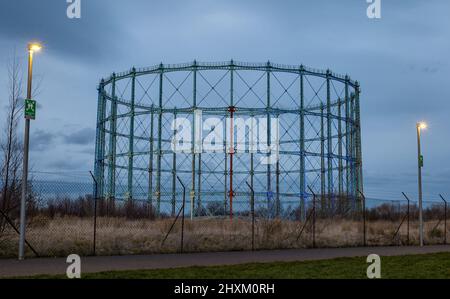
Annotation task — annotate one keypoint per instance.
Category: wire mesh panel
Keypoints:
(63, 217)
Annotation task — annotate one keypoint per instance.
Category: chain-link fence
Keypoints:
(63, 217)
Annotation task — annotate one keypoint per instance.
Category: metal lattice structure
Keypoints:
(319, 136)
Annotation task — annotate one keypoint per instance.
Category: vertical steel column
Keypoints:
(340, 170)
(112, 142)
(131, 137)
(174, 166)
(329, 144)
(199, 185)
(231, 110)
(98, 157)
(252, 173)
(352, 151)
(231, 191)
(225, 170)
(158, 161)
(347, 139)
(359, 174)
(302, 149)
(103, 145)
(150, 163)
(269, 187)
(194, 106)
(277, 180)
(100, 142)
(225, 174)
(322, 157)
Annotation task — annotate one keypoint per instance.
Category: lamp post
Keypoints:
(420, 126)
(32, 48)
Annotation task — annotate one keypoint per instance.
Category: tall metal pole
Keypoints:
(100, 141)
(131, 137)
(252, 174)
(330, 187)
(352, 152)
(174, 166)
(26, 143)
(322, 158)
(277, 182)
(340, 170)
(231, 150)
(231, 109)
(419, 160)
(194, 106)
(359, 174)
(150, 162)
(268, 106)
(225, 178)
(159, 156)
(112, 144)
(302, 149)
(347, 141)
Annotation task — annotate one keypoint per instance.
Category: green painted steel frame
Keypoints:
(351, 173)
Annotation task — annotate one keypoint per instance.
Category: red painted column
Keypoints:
(231, 109)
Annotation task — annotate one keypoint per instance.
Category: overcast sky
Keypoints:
(401, 61)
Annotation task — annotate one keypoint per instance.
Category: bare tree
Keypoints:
(11, 145)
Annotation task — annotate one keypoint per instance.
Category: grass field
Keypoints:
(426, 266)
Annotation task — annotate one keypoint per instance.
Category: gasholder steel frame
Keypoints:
(319, 135)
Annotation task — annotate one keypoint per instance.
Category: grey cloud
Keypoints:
(88, 151)
(81, 137)
(46, 20)
(428, 69)
(65, 164)
(41, 140)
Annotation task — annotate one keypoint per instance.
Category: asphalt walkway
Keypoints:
(29, 267)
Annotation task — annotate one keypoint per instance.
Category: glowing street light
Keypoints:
(34, 47)
(420, 126)
(30, 110)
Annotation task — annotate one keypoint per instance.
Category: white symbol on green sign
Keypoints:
(30, 109)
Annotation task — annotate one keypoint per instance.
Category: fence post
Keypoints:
(181, 211)
(252, 207)
(314, 217)
(445, 219)
(182, 216)
(364, 218)
(407, 223)
(95, 213)
(9, 221)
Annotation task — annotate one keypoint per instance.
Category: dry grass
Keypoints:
(61, 236)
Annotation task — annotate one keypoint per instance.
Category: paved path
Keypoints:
(38, 266)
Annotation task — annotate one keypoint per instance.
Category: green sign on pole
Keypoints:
(30, 109)
(421, 161)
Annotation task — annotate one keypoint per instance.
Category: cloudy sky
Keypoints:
(401, 60)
